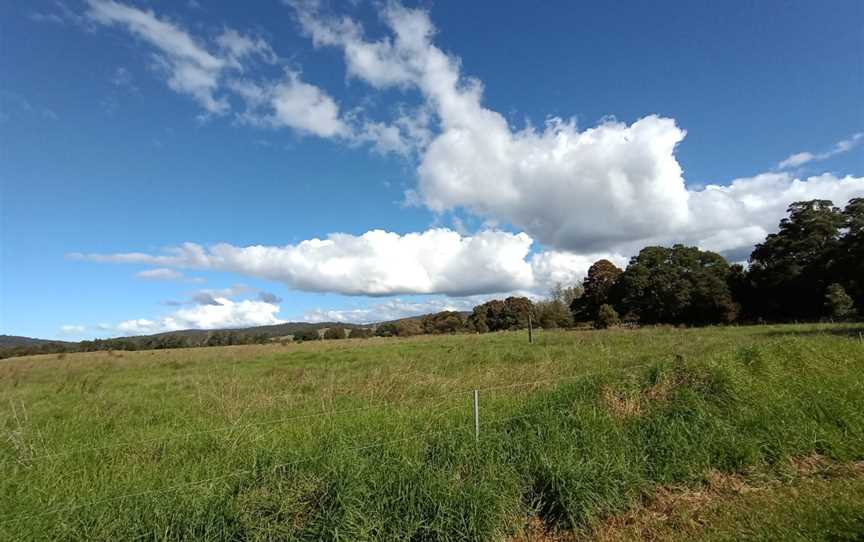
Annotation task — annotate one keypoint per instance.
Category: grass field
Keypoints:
(714, 433)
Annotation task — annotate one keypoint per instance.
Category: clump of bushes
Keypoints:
(607, 317)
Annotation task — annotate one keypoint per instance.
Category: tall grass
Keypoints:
(197, 444)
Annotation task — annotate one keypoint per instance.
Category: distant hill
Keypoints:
(275, 330)
(15, 340)
(200, 336)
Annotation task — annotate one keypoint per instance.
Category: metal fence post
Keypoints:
(477, 415)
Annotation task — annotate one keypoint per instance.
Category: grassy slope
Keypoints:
(668, 407)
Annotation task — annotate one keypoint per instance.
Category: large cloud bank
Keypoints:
(579, 193)
(612, 186)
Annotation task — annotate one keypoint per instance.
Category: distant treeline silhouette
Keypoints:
(812, 269)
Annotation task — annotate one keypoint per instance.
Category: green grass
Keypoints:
(228, 444)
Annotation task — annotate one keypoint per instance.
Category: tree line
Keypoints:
(811, 269)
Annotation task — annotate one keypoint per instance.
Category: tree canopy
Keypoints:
(597, 288)
(677, 285)
(497, 315)
(791, 269)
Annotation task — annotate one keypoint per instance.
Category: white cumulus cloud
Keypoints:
(223, 313)
(378, 263)
(611, 187)
(292, 103)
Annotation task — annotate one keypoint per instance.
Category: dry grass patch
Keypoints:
(681, 513)
(819, 466)
(621, 403)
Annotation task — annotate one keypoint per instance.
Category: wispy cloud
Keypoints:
(60, 14)
(72, 330)
(166, 274)
(160, 273)
(190, 67)
(212, 71)
(801, 158)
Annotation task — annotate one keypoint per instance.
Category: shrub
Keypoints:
(553, 314)
(335, 332)
(838, 303)
(409, 327)
(361, 333)
(606, 317)
(402, 328)
(443, 322)
(310, 334)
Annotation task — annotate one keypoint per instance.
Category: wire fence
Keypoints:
(477, 393)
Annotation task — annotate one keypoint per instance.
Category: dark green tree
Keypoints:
(334, 333)
(477, 319)
(677, 285)
(597, 289)
(743, 292)
(409, 327)
(849, 266)
(443, 322)
(497, 315)
(790, 271)
(360, 333)
(308, 334)
(387, 329)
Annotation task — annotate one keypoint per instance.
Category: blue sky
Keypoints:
(502, 146)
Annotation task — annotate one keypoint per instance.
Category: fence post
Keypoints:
(476, 415)
(530, 330)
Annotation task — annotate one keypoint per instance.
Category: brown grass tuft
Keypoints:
(819, 466)
(686, 511)
(683, 508)
(621, 403)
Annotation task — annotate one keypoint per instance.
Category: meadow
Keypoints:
(716, 433)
